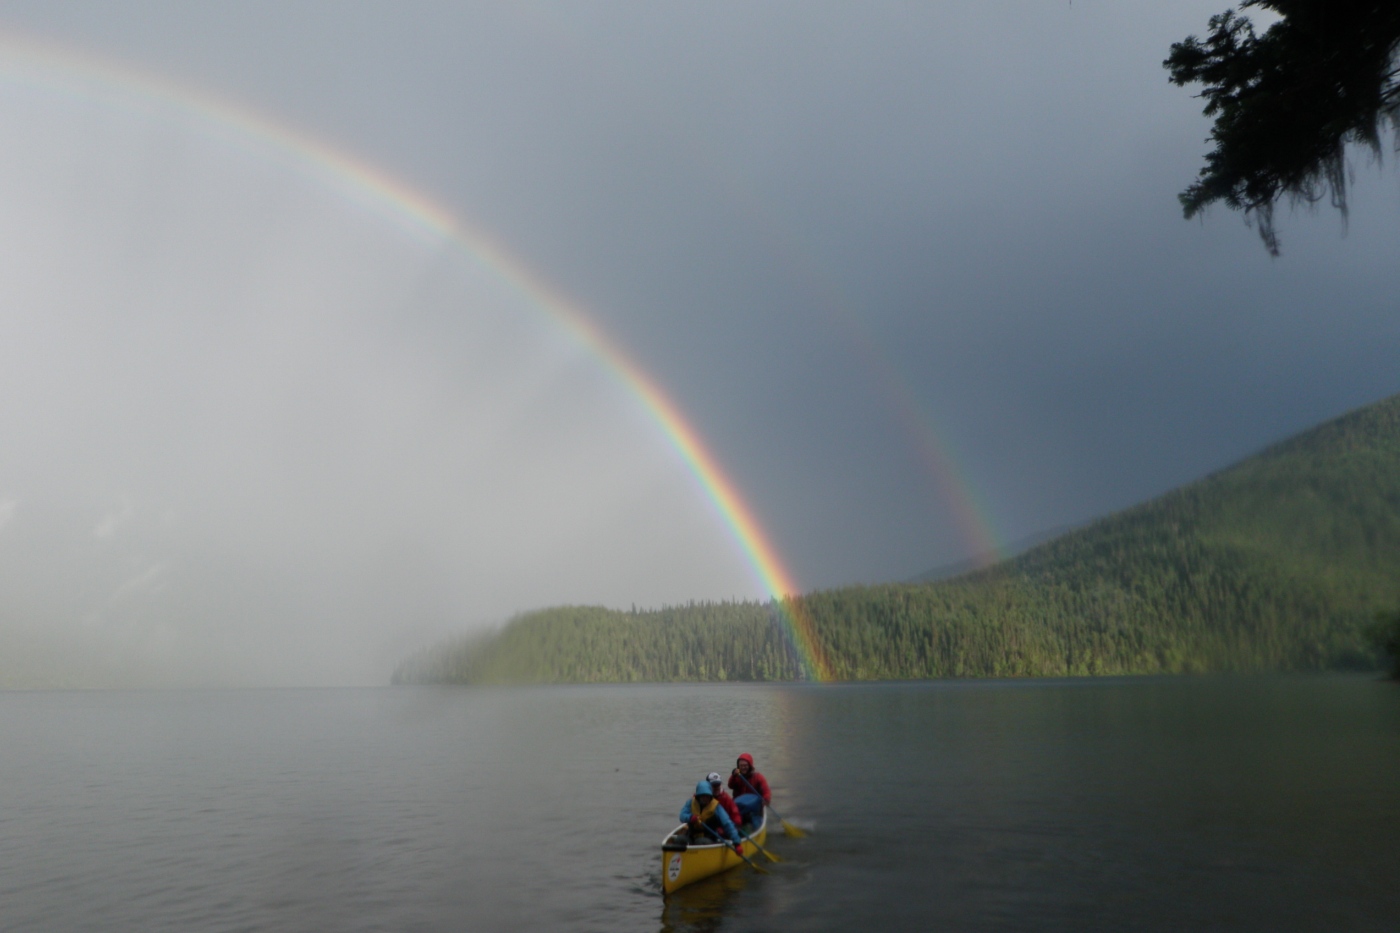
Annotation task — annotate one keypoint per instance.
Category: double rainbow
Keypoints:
(24, 60)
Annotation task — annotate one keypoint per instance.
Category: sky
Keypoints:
(914, 274)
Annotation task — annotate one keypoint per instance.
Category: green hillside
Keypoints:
(1280, 562)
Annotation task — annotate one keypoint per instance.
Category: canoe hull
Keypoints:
(698, 862)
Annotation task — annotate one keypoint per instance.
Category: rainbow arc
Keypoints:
(91, 77)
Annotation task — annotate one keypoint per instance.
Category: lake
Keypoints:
(1204, 803)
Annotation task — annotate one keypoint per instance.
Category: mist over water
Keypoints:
(259, 431)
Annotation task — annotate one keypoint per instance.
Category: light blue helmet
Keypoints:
(704, 788)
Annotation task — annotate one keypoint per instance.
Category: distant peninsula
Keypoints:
(1278, 563)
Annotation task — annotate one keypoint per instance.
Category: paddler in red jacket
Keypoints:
(726, 802)
(751, 793)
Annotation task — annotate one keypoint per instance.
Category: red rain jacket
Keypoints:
(726, 803)
(759, 782)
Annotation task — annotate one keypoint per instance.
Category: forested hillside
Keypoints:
(1280, 562)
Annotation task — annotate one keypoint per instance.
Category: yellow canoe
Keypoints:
(683, 866)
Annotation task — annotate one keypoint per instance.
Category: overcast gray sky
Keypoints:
(898, 263)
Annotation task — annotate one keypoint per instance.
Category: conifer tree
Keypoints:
(1288, 102)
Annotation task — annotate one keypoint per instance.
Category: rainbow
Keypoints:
(936, 454)
(971, 514)
(26, 60)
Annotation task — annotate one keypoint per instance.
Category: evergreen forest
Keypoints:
(1282, 562)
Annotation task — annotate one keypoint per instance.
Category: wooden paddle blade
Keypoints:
(793, 831)
(748, 861)
(766, 854)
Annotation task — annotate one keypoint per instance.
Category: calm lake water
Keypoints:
(1154, 804)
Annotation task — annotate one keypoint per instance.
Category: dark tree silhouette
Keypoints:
(1288, 102)
(1386, 635)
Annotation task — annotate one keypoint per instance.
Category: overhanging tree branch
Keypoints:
(1288, 102)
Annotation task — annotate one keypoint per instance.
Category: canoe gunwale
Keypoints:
(681, 867)
(762, 828)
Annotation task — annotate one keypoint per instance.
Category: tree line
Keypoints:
(1279, 563)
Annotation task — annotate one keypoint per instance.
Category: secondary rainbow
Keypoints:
(24, 59)
(936, 453)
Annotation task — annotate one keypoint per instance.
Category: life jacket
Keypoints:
(706, 813)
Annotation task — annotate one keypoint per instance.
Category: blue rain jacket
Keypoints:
(726, 825)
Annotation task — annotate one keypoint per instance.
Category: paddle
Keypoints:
(788, 828)
(747, 838)
(758, 868)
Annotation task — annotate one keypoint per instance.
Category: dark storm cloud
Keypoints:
(982, 195)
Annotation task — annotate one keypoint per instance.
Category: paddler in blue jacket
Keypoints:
(702, 811)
